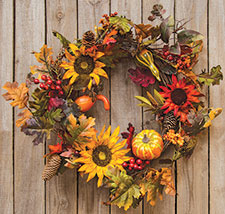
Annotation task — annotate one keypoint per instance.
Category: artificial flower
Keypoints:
(101, 153)
(83, 63)
(179, 98)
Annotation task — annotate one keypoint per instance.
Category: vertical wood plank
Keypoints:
(6, 120)
(29, 187)
(192, 181)
(61, 191)
(124, 107)
(167, 205)
(90, 198)
(217, 134)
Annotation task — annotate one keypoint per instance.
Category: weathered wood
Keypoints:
(90, 198)
(124, 105)
(29, 187)
(167, 205)
(61, 191)
(193, 173)
(6, 122)
(217, 135)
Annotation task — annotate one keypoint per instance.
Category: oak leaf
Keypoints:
(45, 54)
(25, 115)
(17, 94)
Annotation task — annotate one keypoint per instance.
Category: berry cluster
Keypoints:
(183, 63)
(137, 164)
(49, 84)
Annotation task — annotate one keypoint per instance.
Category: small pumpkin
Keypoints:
(147, 145)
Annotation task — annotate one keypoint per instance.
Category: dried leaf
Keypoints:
(17, 94)
(121, 23)
(166, 28)
(25, 115)
(44, 55)
(143, 30)
(62, 39)
(188, 36)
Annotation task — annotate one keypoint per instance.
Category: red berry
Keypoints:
(49, 82)
(76, 153)
(164, 57)
(58, 82)
(130, 168)
(58, 87)
(147, 162)
(49, 78)
(166, 53)
(188, 65)
(132, 160)
(36, 81)
(50, 94)
(46, 87)
(131, 165)
(124, 164)
(52, 86)
(61, 93)
(42, 85)
(43, 77)
(140, 167)
(135, 166)
(139, 161)
(170, 58)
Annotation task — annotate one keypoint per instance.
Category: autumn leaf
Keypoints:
(25, 115)
(121, 23)
(108, 38)
(45, 54)
(17, 94)
(143, 30)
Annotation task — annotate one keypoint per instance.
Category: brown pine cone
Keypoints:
(51, 167)
(88, 39)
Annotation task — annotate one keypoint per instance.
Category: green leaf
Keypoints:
(175, 49)
(121, 23)
(213, 77)
(144, 100)
(55, 116)
(166, 28)
(62, 39)
(188, 36)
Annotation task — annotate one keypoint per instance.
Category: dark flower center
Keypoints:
(84, 65)
(102, 155)
(179, 96)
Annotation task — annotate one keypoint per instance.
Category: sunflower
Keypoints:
(179, 97)
(101, 153)
(83, 63)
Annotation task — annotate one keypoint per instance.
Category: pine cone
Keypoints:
(88, 39)
(169, 122)
(51, 167)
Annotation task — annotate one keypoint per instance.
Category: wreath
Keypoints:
(69, 85)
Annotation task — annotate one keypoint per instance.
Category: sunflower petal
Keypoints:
(96, 78)
(69, 56)
(100, 72)
(99, 64)
(72, 80)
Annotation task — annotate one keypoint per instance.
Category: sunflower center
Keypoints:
(102, 155)
(179, 96)
(84, 64)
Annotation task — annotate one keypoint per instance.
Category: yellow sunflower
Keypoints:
(83, 63)
(101, 153)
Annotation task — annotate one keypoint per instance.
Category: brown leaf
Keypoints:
(25, 115)
(45, 54)
(143, 30)
(17, 94)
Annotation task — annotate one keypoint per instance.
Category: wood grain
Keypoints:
(29, 187)
(193, 173)
(61, 191)
(6, 119)
(167, 205)
(124, 105)
(217, 132)
(91, 198)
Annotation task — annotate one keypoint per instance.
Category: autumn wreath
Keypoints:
(69, 86)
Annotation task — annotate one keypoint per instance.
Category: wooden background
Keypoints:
(25, 26)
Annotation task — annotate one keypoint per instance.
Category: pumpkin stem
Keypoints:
(145, 139)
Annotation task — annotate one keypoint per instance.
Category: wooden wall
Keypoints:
(25, 26)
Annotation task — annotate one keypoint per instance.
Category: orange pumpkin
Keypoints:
(147, 145)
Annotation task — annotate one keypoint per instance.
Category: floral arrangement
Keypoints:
(58, 93)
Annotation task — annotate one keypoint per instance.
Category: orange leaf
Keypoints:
(17, 94)
(44, 55)
(109, 39)
(55, 148)
(25, 115)
(143, 30)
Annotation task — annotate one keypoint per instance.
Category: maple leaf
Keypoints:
(81, 131)
(25, 115)
(17, 94)
(45, 54)
(55, 148)
(123, 188)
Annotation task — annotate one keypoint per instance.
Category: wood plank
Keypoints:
(124, 105)
(6, 120)
(29, 187)
(217, 135)
(167, 205)
(90, 198)
(61, 191)
(192, 178)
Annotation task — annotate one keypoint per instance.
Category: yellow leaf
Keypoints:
(17, 94)
(25, 115)
(45, 54)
